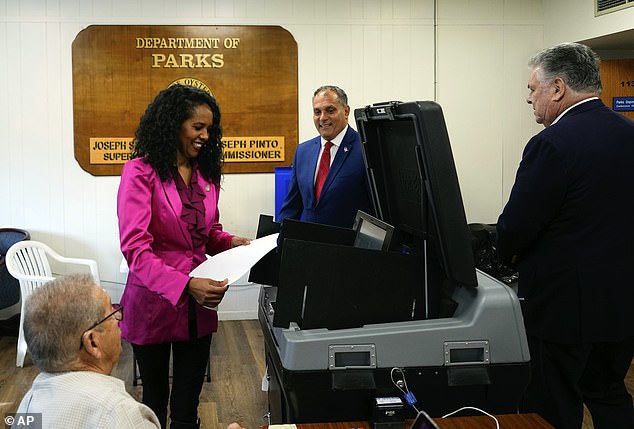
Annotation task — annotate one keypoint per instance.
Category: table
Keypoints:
(507, 421)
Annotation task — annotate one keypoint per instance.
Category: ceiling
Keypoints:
(622, 41)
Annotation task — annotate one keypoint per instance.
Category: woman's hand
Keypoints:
(239, 241)
(207, 292)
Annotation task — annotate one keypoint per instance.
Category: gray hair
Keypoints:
(576, 64)
(55, 318)
(343, 98)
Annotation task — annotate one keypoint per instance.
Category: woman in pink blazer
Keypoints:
(168, 219)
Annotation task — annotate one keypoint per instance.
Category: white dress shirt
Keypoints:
(333, 149)
(85, 399)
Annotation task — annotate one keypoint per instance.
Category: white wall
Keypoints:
(377, 50)
(560, 13)
(483, 49)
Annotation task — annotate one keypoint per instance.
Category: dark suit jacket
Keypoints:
(569, 219)
(345, 190)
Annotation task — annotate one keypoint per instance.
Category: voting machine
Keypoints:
(397, 294)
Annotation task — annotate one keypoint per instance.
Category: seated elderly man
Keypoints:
(72, 331)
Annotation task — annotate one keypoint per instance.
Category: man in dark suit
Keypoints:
(345, 189)
(568, 226)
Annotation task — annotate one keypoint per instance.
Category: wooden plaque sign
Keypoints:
(251, 70)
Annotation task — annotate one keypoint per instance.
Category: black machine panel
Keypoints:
(415, 184)
(267, 270)
(336, 287)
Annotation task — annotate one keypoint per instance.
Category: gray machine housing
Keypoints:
(488, 320)
(478, 357)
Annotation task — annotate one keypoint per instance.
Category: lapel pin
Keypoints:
(207, 188)
(345, 149)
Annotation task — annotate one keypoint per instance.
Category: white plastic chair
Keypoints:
(28, 261)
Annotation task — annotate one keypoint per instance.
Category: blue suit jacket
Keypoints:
(569, 219)
(345, 190)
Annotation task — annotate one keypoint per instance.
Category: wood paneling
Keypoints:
(617, 79)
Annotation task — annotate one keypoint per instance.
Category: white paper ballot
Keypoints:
(235, 262)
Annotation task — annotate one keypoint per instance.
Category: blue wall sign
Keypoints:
(623, 104)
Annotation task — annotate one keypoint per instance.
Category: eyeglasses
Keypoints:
(117, 314)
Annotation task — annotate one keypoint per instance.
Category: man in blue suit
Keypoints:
(345, 189)
(568, 226)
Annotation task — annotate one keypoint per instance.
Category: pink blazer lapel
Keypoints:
(173, 200)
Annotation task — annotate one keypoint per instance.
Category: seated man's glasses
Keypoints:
(117, 314)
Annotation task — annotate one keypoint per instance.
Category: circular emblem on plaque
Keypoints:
(192, 81)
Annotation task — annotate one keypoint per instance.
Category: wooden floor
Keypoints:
(234, 393)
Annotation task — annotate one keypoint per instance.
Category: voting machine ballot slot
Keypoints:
(466, 353)
(468, 363)
(358, 356)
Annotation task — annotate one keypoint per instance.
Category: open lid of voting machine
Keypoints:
(415, 188)
(416, 193)
(415, 184)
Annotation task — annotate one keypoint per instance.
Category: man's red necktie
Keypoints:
(322, 172)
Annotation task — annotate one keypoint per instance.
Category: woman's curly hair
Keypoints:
(158, 136)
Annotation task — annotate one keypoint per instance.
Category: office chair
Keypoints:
(9, 286)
